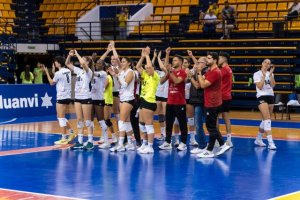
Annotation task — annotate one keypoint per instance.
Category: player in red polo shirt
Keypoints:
(212, 84)
(176, 104)
(226, 93)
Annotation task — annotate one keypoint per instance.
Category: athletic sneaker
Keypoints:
(77, 145)
(206, 154)
(165, 146)
(130, 147)
(147, 150)
(272, 146)
(88, 146)
(229, 143)
(197, 150)
(217, 144)
(176, 143)
(114, 139)
(72, 137)
(104, 145)
(113, 149)
(101, 140)
(259, 142)
(181, 147)
(161, 138)
(223, 149)
(120, 148)
(193, 143)
(61, 142)
(141, 148)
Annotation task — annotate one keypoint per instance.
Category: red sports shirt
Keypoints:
(176, 94)
(213, 93)
(226, 82)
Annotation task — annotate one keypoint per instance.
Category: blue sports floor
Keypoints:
(244, 172)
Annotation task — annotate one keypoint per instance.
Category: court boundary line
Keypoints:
(285, 195)
(42, 194)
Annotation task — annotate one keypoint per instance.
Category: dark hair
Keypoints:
(225, 54)
(189, 60)
(214, 55)
(179, 57)
(61, 60)
(128, 60)
(27, 72)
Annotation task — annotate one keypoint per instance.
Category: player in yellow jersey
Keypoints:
(150, 81)
(108, 103)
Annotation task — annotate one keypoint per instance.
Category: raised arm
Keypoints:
(148, 61)
(139, 66)
(82, 62)
(168, 51)
(154, 56)
(68, 60)
(190, 53)
(51, 82)
(106, 53)
(112, 43)
(161, 64)
(272, 79)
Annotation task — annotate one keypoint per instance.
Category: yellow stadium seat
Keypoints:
(176, 10)
(166, 18)
(167, 10)
(1, 6)
(63, 6)
(282, 6)
(263, 26)
(185, 10)
(252, 15)
(50, 7)
(272, 6)
(242, 16)
(295, 25)
(242, 26)
(241, 7)
(45, 15)
(156, 28)
(178, 2)
(251, 7)
(262, 16)
(5, 14)
(194, 2)
(193, 27)
(158, 10)
(7, 7)
(169, 3)
(67, 14)
(43, 7)
(273, 15)
(154, 2)
(77, 6)
(12, 14)
(261, 7)
(157, 18)
(160, 2)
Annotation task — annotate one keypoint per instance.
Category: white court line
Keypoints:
(274, 198)
(46, 195)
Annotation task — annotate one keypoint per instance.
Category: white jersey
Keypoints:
(62, 78)
(116, 82)
(162, 89)
(83, 83)
(126, 93)
(98, 84)
(267, 89)
(187, 90)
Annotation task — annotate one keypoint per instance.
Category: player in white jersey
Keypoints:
(97, 92)
(126, 79)
(161, 97)
(83, 98)
(62, 80)
(114, 66)
(265, 82)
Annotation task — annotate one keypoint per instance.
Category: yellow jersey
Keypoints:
(149, 86)
(108, 93)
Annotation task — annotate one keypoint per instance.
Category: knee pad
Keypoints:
(150, 129)
(128, 127)
(89, 123)
(108, 123)
(122, 126)
(261, 126)
(103, 124)
(62, 122)
(191, 121)
(267, 125)
(176, 122)
(80, 124)
(142, 127)
(117, 116)
(161, 118)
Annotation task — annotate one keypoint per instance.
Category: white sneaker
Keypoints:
(130, 147)
(165, 146)
(229, 143)
(104, 145)
(193, 143)
(206, 154)
(217, 144)
(223, 149)
(114, 139)
(197, 150)
(259, 142)
(181, 147)
(113, 149)
(141, 147)
(147, 150)
(120, 148)
(101, 140)
(272, 146)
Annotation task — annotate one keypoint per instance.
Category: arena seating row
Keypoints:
(7, 16)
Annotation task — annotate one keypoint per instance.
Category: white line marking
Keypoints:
(12, 120)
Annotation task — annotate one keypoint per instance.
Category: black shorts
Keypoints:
(225, 107)
(131, 102)
(110, 105)
(265, 99)
(84, 101)
(64, 101)
(162, 99)
(98, 103)
(148, 105)
(116, 94)
(187, 101)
